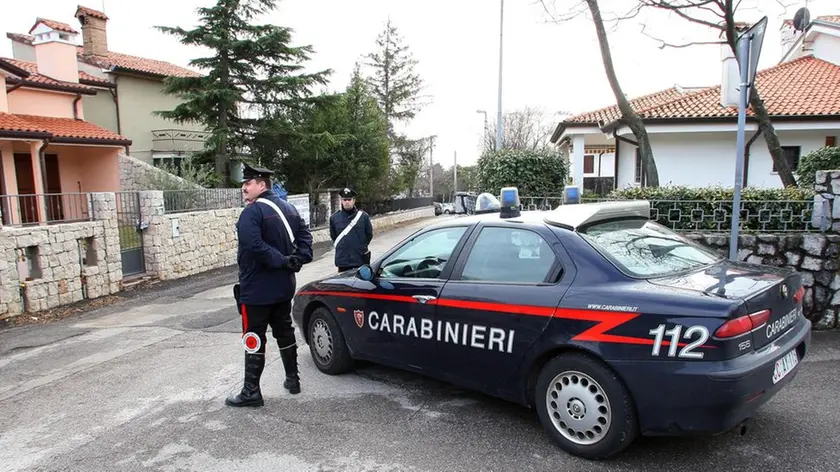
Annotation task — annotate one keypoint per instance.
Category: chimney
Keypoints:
(55, 50)
(4, 101)
(788, 36)
(730, 86)
(94, 32)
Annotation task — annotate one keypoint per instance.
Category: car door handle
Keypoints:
(424, 298)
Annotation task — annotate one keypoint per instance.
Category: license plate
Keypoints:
(784, 366)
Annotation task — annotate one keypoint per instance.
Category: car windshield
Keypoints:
(643, 248)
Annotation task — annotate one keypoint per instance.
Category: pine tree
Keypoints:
(253, 71)
(394, 83)
(365, 158)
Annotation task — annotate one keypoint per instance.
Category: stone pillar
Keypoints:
(826, 205)
(577, 161)
(152, 214)
(38, 179)
(10, 302)
(108, 249)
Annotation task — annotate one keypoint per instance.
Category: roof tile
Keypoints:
(58, 127)
(90, 12)
(124, 61)
(32, 68)
(139, 64)
(612, 113)
(37, 78)
(807, 86)
(56, 25)
(830, 18)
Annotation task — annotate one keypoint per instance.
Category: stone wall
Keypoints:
(42, 267)
(380, 222)
(138, 175)
(183, 244)
(815, 256)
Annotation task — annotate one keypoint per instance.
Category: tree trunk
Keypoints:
(628, 115)
(773, 144)
(221, 152)
(760, 111)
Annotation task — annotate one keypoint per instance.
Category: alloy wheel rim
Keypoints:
(322, 341)
(579, 408)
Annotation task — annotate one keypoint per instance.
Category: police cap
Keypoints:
(347, 193)
(252, 172)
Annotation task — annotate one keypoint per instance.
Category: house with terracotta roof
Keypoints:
(130, 90)
(50, 154)
(693, 131)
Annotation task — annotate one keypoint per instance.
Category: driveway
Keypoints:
(141, 386)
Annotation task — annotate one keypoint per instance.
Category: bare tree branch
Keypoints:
(664, 44)
(680, 10)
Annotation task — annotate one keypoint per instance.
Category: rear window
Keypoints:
(642, 248)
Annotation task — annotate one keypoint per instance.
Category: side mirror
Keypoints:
(365, 273)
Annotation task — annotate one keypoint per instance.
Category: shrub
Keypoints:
(533, 172)
(826, 158)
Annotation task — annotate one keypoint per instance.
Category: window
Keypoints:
(642, 248)
(509, 255)
(423, 257)
(792, 155)
(637, 176)
(589, 164)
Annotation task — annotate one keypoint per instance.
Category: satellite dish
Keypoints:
(801, 19)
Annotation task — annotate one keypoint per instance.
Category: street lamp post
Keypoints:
(483, 133)
(432, 167)
(501, 44)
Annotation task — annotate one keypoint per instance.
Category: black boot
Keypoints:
(289, 356)
(250, 394)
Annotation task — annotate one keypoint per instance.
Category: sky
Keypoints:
(553, 66)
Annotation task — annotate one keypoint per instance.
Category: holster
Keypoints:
(236, 291)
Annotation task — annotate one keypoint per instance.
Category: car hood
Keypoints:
(726, 279)
(330, 282)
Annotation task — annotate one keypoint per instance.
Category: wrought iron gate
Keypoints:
(131, 238)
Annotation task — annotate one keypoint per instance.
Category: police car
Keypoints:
(609, 325)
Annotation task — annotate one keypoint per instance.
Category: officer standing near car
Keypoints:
(351, 233)
(274, 243)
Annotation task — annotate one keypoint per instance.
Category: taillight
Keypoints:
(743, 324)
(799, 295)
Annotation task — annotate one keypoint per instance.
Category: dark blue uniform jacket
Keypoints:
(264, 248)
(351, 250)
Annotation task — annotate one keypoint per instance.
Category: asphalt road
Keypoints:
(141, 385)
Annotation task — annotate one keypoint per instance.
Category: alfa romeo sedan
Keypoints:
(607, 324)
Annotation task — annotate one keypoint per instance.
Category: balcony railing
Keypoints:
(180, 201)
(34, 209)
(178, 140)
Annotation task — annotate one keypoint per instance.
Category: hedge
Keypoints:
(826, 158)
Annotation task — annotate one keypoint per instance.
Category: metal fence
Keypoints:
(181, 201)
(764, 216)
(387, 206)
(23, 210)
(779, 216)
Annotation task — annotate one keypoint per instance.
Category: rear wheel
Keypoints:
(327, 345)
(585, 407)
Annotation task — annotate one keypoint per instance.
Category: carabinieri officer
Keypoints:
(274, 243)
(351, 233)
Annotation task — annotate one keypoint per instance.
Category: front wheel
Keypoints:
(327, 345)
(585, 407)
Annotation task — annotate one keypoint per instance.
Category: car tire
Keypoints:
(591, 414)
(326, 343)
